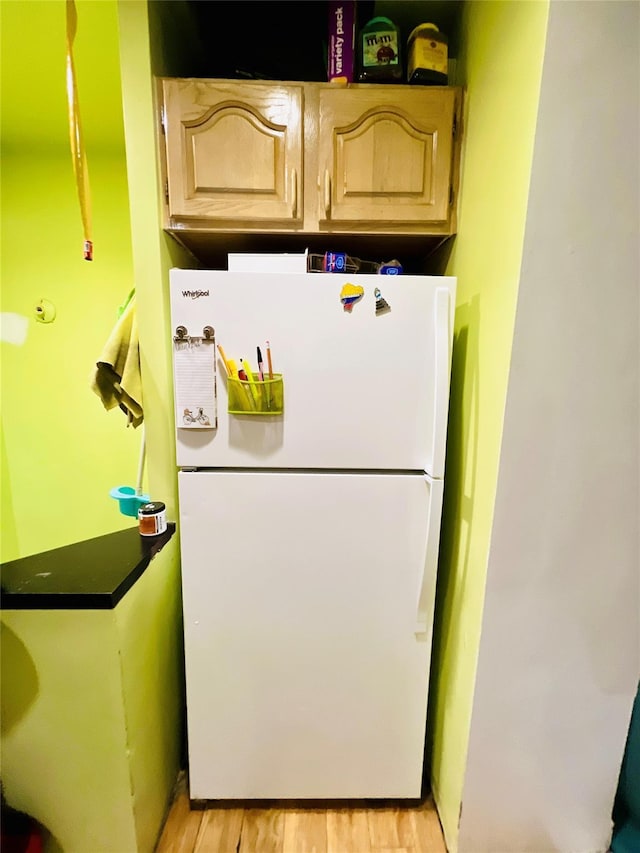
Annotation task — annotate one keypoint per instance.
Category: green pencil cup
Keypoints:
(264, 397)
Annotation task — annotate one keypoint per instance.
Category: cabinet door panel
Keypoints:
(385, 156)
(234, 151)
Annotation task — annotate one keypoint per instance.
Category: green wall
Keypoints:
(61, 451)
(500, 65)
(91, 715)
(121, 670)
(64, 738)
(154, 252)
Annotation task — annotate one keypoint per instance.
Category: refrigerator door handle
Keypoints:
(442, 367)
(427, 591)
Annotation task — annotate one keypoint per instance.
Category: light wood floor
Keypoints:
(358, 826)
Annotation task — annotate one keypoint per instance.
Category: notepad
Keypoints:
(194, 369)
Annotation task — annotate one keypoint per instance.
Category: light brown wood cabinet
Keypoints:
(385, 157)
(249, 157)
(234, 152)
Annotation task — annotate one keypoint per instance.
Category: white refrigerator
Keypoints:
(309, 520)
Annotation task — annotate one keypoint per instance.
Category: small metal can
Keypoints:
(152, 518)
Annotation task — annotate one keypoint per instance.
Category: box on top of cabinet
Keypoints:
(342, 33)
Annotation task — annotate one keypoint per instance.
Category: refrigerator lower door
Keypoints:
(308, 603)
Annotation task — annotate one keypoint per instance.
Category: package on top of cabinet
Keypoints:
(427, 56)
(379, 52)
(342, 34)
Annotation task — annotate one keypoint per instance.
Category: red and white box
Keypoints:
(342, 36)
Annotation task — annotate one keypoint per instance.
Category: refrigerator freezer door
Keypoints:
(305, 675)
(362, 390)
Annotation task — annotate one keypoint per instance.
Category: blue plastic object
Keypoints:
(335, 262)
(391, 268)
(128, 500)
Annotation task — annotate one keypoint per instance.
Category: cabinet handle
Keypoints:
(327, 193)
(294, 192)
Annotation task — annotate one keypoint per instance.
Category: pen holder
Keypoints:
(264, 397)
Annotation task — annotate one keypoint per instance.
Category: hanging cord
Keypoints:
(122, 308)
(143, 444)
(75, 134)
(143, 449)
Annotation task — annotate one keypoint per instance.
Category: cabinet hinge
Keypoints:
(450, 196)
(166, 191)
(455, 125)
(163, 124)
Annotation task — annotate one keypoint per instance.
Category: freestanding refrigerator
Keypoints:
(310, 498)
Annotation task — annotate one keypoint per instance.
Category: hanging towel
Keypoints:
(117, 376)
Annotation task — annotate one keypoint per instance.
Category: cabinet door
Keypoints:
(234, 151)
(385, 155)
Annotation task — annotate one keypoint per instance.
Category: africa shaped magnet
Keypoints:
(350, 294)
(382, 306)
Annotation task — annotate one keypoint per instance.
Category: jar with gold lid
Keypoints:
(427, 56)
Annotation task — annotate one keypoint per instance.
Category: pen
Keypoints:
(269, 360)
(233, 370)
(241, 373)
(260, 365)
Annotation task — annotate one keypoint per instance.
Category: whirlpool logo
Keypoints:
(194, 294)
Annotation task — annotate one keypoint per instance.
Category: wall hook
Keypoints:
(45, 311)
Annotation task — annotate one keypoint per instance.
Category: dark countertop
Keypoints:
(92, 575)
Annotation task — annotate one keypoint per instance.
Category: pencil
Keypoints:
(225, 361)
(270, 374)
(269, 360)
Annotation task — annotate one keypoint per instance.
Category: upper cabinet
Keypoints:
(309, 158)
(234, 152)
(385, 157)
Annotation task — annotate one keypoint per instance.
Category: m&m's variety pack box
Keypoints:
(342, 33)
